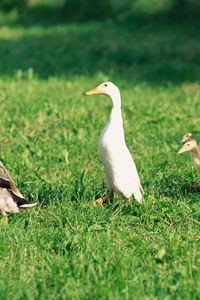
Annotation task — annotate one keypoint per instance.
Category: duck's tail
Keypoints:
(22, 202)
(28, 205)
(139, 194)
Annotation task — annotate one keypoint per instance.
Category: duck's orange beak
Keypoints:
(93, 91)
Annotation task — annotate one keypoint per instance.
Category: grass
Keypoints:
(64, 248)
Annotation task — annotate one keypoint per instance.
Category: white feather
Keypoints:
(28, 205)
(7, 205)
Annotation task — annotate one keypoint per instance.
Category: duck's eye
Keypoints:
(105, 84)
(188, 144)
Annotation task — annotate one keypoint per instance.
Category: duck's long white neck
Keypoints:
(115, 120)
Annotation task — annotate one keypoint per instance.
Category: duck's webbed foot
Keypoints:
(103, 199)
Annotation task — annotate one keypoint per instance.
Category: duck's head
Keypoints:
(188, 147)
(106, 88)
(187, 137)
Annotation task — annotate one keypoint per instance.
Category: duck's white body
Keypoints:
(120, 169)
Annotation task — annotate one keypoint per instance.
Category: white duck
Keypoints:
(11, 199)
(120, 170)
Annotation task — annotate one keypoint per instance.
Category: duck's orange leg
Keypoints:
(103, 199)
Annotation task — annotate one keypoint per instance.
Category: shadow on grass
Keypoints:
(173, 189)
(189, 189)
(156, 49)
(57, 13)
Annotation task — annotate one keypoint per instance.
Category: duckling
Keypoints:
(192, 147)
(11, 199)
(187, 137)
(120, 169)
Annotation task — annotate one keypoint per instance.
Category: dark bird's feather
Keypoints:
(7, 183)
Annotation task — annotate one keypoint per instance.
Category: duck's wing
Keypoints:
(7, 182)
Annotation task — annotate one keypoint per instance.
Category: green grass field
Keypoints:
(65, 248)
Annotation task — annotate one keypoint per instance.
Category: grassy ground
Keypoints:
(64, 248)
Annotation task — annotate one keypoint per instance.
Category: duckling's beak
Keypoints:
(181, 151)
(182, 141)
(93, 91)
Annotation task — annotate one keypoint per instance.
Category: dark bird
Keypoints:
(11, 199)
